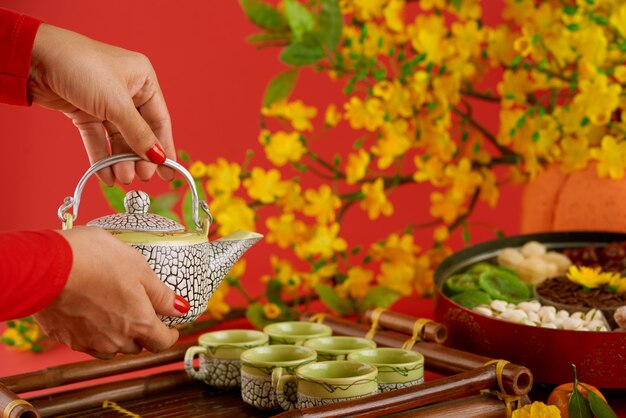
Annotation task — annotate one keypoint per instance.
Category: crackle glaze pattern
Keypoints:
(257, 391)
(386, 387)
(311, 401)
(223, 374)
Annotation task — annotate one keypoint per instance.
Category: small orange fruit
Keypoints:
(559, 397)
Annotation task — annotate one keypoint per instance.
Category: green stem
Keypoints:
(490, 137)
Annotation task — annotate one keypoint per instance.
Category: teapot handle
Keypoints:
(74, 202)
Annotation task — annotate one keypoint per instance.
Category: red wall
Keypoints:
(213, 82)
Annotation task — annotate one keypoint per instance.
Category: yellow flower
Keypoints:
(375, 201)
(611, 158)
(285, 273)
(369, 9)
(575, 153)
(446, 206)
(464, 178)
(271, 311)
(321, 204)
(394, 15)
(282, 147)
(589, 277)
(428, 35)
(396, 249)
(537, 410)
(441, 233)
(356, 167)
(232, 214)
(238, 269)
(285, 230)
(368, 114)
(618, 19)
(617, 283)
(429, 169)
(297, 112)
(332, 116)
(489, 191)
(22, 335)
(325, 241)
(217, 307)
(223, 177)
(265, 186)
(392, 144)
(197, 169)
(599, 98)
(321, 275)
(358, 282)
(620, 73)
(292, 200)
(397, 276)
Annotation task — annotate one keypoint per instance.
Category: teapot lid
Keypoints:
(137, 217)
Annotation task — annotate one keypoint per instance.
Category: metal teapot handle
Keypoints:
(74, 202)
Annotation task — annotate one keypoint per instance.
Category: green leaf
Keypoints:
(163, 202)
(599, 407)
(267, 37)
(456, 4)
(184, 156)
(299, 18)
(379, 297)
(280, 87)
(188, 206)
(573, 27)
(330, 23)
(264, 15)
(114, 196)
(577, 407)
(516, 61)
(255, 315)
(272, 292)
(329, 296)
(300, 54)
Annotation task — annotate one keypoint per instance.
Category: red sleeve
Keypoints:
(34, 267)
(17, 36)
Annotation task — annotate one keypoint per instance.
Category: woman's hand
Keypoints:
(111, 300)
(112, 95)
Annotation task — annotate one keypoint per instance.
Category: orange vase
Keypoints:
(580, 201)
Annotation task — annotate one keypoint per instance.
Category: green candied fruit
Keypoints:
(459, 283)
(480, 268)
(472, 298)
(505, 285)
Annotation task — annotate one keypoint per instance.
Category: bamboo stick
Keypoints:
(517, 380)
(92, 369)
(93, 396)
(11, 406)
(432, 331)
(480, 406)
(463, 384)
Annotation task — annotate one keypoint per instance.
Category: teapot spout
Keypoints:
(224, 252)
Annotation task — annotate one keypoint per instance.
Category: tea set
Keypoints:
(299, 364)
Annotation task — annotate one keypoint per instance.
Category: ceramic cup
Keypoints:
(337, 348)
(296, 332)
(262, 366)
(327, 382)
(219, 353)
(397, 368)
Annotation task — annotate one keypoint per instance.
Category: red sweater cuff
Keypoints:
(17, 36)
(34, 268)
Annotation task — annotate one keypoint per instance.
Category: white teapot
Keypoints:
(183, 259)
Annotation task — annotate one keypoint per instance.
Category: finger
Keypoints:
(94, 140)
(143, 169)
(154, 111)
(131, 347)
(159, 337)
(101, 356)
(137, 133)
(163, 299)
(124, 171)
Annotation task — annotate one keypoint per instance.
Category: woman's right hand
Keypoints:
(111, 300)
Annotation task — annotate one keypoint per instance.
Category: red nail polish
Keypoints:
(181, 304)
(156, 154)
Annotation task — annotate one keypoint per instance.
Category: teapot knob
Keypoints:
(137, 201)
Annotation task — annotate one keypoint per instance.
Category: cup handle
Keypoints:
(279, 380)
(190, 354)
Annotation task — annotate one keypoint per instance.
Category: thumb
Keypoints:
(138, 133)
(164, 300)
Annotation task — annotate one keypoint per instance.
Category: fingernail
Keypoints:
(181, 304)
(156, 154)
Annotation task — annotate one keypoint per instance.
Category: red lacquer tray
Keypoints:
(600, 357)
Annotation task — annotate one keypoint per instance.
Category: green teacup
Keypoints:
(327, 382)
(397, 368)
(296, 332)
(219, 353)
(261, 368)
(337, 348)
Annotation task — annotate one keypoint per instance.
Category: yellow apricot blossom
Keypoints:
(321, 204)
(297, 112)
(284, 230)
(332, 116)
(223, 177)
(292, 200)
(394, 15)
(375, 200)
(282, 147)
(393, 144)
(396, 249)
(358, 282)
(325, 241)
(271, 310)
(217, 306)
(611, 158)
(232, 214)
(197, 169)
(368, 114)
(599, 97)
(265, 186)
(396, 276)
(356, 167)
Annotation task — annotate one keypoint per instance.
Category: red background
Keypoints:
(213, 82)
